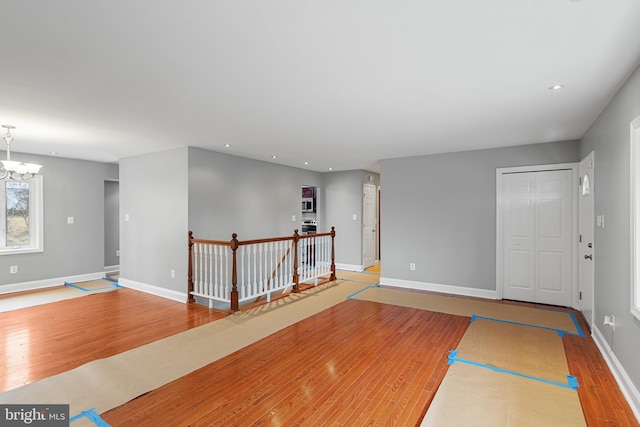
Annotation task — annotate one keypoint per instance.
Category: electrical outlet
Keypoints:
(173, 274)
(13, 269)
(117, 253)
(293, 218)
(69, 220)
(412, 266)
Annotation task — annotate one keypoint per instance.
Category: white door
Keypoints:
(368, 225)
(537, 236)
(586, 232)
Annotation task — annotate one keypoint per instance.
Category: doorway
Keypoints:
(111, 226)
(536, 207)
(368, 225)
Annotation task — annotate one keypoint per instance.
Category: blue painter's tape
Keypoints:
(111, 285)
(573, 319)
(559, 331)
(577, 325)
(352, 296)
(113, 282)
(452, 357)
(572, 382)
(92, 416)
(75, 286)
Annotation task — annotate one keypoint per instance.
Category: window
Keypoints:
(635, 217)
(21, 216)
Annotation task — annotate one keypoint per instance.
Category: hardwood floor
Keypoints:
(45, 340)
(357, 363)
(602, 400)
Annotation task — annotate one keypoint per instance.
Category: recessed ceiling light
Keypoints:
(227, 145)
(556, 87)
(330, 169)
(53, 153)
(306, 163)
(274, 157)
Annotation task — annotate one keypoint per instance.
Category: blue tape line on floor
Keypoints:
(113, 284)
(93, 416)
(75, 286)
(572, 382)
(560, 332)
(577, 325)
(362, 290)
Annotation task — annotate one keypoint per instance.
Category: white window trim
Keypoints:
(635, 216)
(36, 228)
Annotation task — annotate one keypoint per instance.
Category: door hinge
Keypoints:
(580, 241)
(580, 296)
(580, 180)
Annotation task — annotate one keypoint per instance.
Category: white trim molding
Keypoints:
(153, 290)
(434, 287)
(631, 393)
(48, 283)
(350, 267)
(634, 150)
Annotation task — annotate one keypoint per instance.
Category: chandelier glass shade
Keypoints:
(12, 169)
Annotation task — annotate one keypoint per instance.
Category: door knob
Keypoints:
(588, 257)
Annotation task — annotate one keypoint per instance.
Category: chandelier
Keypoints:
(12, 169)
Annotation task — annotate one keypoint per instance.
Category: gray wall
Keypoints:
(343, 192)
(609, 137)
(215, 194)
(154, 193)
(255, 199)
(439, 211)
(71, 188)
(111, 223)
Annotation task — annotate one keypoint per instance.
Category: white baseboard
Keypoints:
(153, 290)
(626, 385)
(48, 283)
(350, 267)
(434, 287)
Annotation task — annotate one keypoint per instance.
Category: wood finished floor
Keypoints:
(355, 362)
(48, 339)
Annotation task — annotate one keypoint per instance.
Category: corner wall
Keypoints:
(439, 212)
(609, 137)
(153, 223)
(71, 188)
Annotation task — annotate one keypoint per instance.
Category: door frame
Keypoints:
(374, 222)
(574, 222)
(588, 158)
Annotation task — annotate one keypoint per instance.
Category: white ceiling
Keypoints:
(336, 83)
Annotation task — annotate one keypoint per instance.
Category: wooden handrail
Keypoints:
(190, 297)
(234, 244)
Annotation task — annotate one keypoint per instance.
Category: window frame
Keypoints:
(635, 216)
(36, 219)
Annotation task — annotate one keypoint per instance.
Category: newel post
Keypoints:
(296, 277)
(190, 297)
(234, 274)
(333, 254)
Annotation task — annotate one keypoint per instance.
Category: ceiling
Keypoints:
(338, 84)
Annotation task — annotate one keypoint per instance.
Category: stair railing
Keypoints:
(237, 271)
